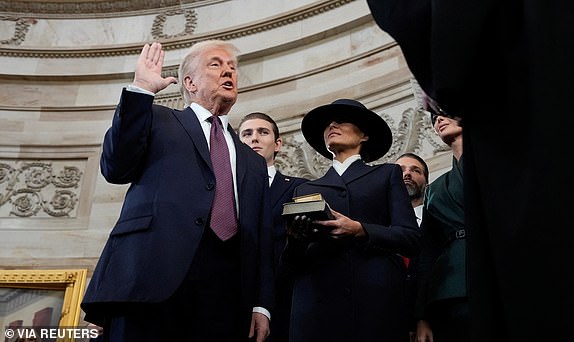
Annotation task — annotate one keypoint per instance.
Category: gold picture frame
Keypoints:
(22, 289)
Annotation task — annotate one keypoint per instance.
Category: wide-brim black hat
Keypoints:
(345, 110)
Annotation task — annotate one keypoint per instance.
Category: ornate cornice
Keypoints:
(91, 8)
(175, 43)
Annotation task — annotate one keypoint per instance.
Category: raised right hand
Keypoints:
(148, 69)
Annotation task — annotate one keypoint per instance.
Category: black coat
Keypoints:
(506, 67)
(354, 290)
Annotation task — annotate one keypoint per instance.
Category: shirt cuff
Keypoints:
(135, 89)
(262, 311)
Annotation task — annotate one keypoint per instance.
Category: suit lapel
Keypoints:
(191, 124)
(279, 186)
(240, 159)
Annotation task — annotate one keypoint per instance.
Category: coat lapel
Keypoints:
(330, 179)
(191, 124)
(357, 170)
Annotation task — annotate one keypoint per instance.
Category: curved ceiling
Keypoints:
(177, 27)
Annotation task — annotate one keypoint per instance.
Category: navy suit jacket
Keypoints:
(281, 191)
(163, 153)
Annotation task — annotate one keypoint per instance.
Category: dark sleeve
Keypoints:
(125, 143)
(402, 235)
(292, 259)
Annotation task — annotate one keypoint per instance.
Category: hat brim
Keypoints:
(369, 122)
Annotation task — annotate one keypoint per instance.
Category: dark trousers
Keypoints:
(206, 307)
(450, 320)
(282, 314)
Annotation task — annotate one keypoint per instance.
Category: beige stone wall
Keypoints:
(61, 75)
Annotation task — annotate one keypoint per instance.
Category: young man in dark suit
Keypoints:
(190, 256)
(260, 132)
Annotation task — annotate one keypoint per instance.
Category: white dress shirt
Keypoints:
(271, 171)
(419, 213)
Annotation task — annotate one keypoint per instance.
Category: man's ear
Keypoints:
(364, 138)
(189, 85)
(278, 144)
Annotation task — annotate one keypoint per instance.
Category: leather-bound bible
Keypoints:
(313, 206)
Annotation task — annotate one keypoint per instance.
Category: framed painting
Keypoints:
(41, 305)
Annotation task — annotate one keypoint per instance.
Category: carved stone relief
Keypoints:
(19, 27)
(297, 158)
(410, 134)
(160, 29)
(40, 189)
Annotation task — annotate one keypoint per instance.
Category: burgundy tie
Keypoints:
(223, 213)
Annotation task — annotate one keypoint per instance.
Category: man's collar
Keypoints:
(271, 171)
(203, 114)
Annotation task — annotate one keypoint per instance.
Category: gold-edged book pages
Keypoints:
(308, 198)
(313, 206)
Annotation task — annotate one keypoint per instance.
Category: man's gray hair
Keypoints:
(189, 63)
